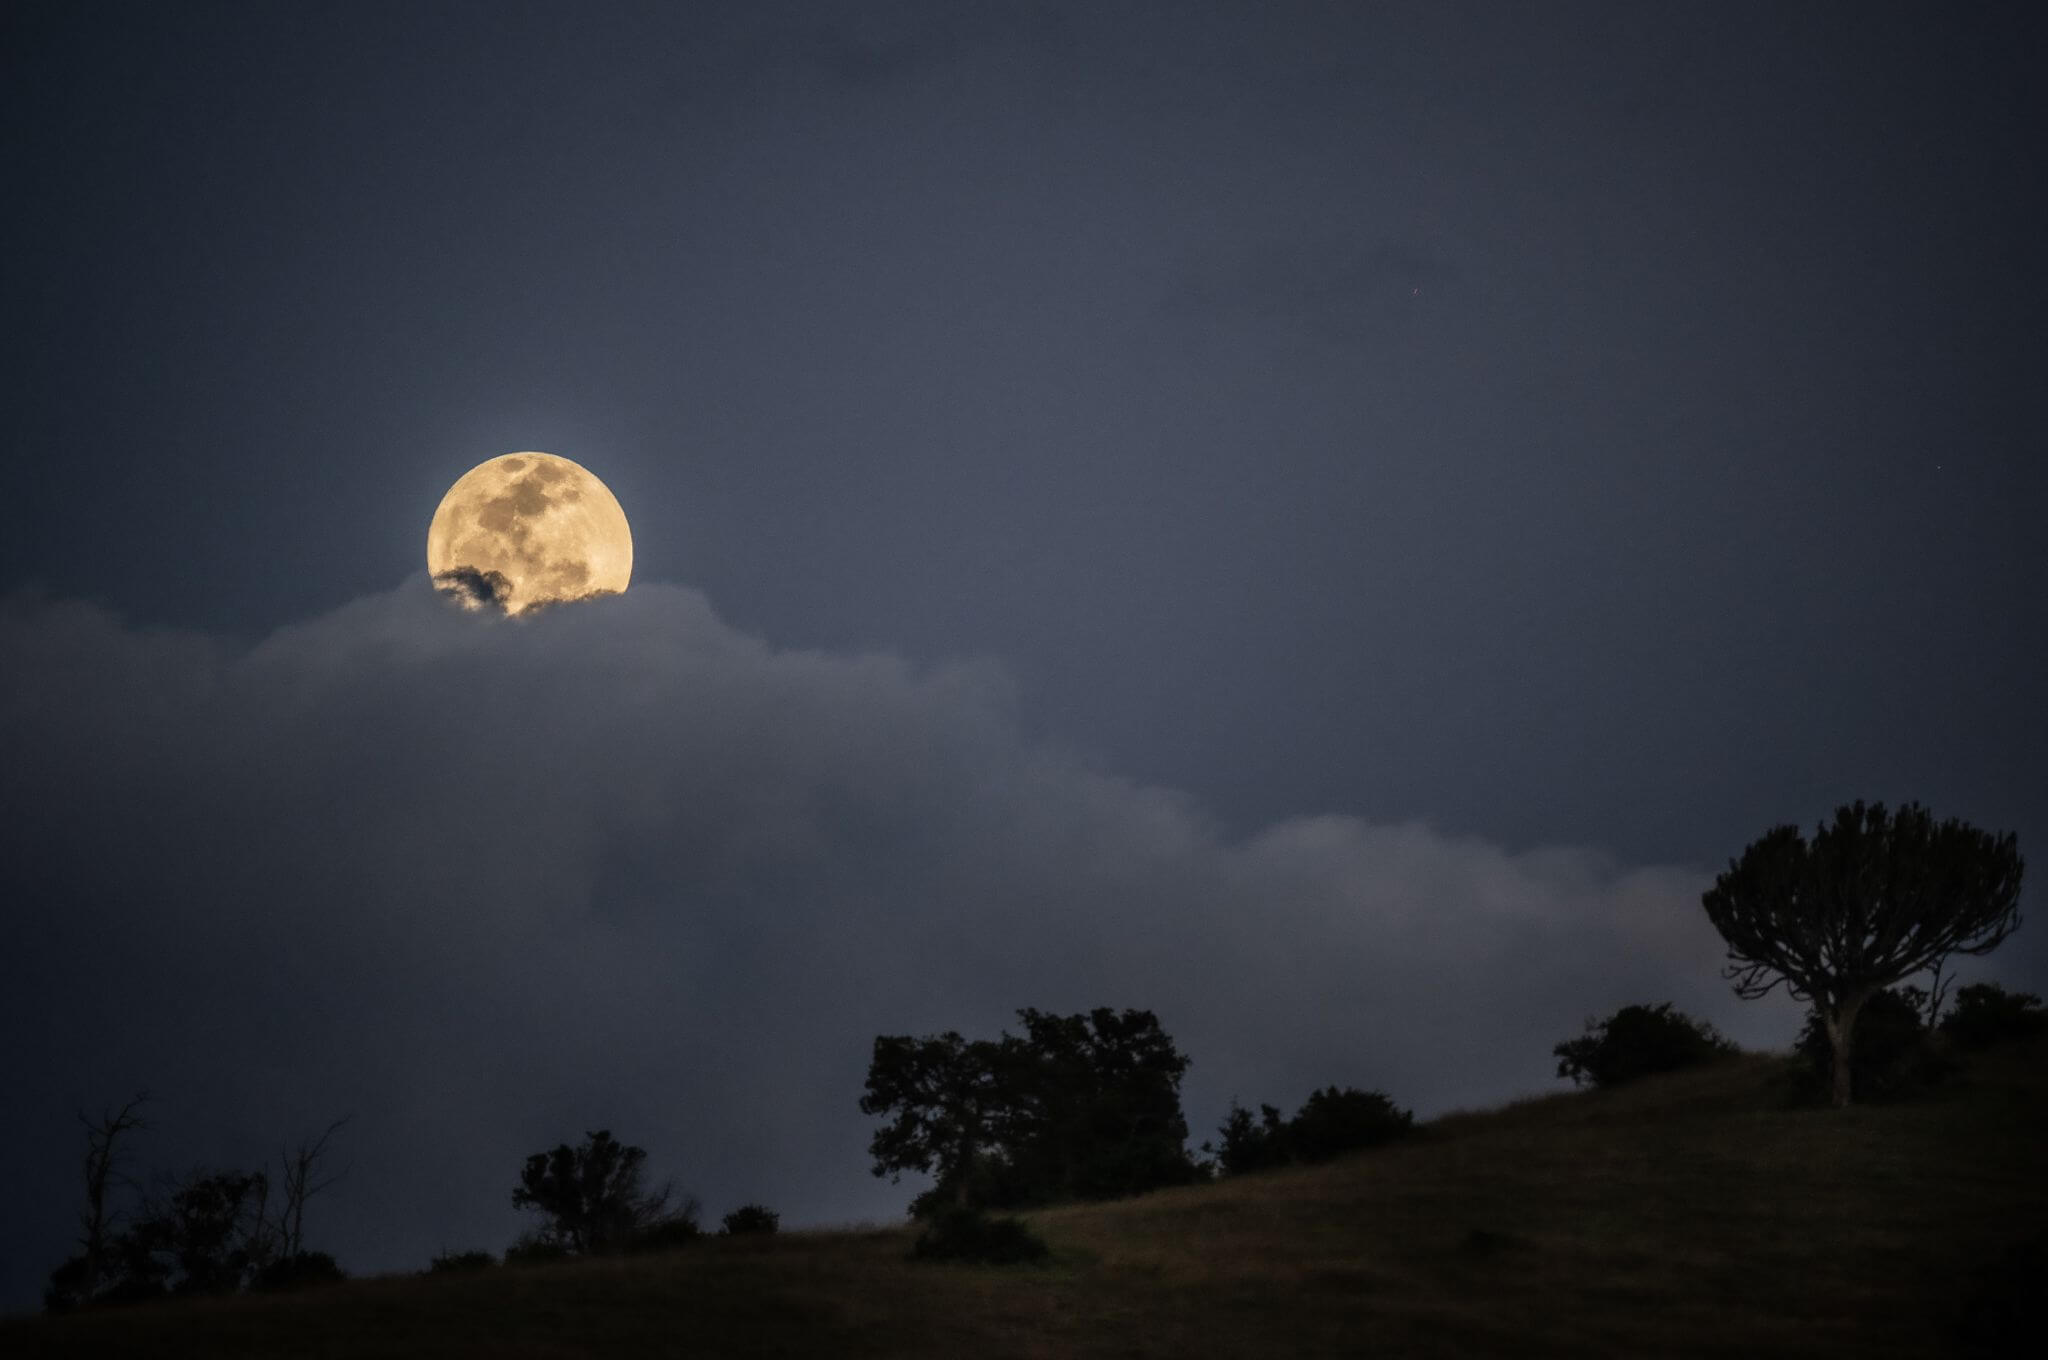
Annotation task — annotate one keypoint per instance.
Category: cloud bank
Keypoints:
(487, 883)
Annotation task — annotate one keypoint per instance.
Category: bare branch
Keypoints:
(103, 1167)
(301, 1184)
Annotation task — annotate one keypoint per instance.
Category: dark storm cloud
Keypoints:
(486, 883)
(474, 588)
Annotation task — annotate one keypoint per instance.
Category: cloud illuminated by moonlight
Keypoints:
(487, 885)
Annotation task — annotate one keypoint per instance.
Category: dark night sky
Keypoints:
(1327, 521)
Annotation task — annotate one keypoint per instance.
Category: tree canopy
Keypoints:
(1873, 898)
(1331, 1122)
(1638, 1041)
(945, 1100)
(1080, 1106)
(594, 1196)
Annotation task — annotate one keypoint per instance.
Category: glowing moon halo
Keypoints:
(529, 529)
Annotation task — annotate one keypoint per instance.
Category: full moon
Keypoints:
(529, 529)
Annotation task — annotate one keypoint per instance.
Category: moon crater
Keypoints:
(529, 529)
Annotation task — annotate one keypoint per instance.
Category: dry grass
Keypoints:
(1691, 1215)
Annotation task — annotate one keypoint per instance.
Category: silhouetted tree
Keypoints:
(1095, 1107)
(1078, 1107)
(1333, 1122)
(593, 1196)
(1637, 1041)
(1985, 1013)
(536, 1249)
(142, 1267)
(457, 1262)
(946, 1098)
(1330, 1123)
(205, 1236)
(1871, 900)
(676, 1228)
(79, 1280)
(302, 1180)
(1931, 998)
(750, 1218)
(1251, 1145)
(209, 1232)
(299, 1270)
(1890, 1050)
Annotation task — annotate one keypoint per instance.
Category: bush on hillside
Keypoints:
(963, 1234)
(457, 1262)
(532, 1249)
(1891, 1054)
(303, 1270)
(595, 1199)
(1985, 1014)
(1332, 1122)
(1246, 1144)
(1637, 1041)
(206, 1235)
(677, 1230)
(750, 1218)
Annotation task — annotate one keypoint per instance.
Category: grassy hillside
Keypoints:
(1691, 1215)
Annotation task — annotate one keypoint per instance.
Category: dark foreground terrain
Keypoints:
(1698, 1214)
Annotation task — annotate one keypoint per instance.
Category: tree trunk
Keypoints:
(95, 1238)
(963, 1192)
(1842, 1033)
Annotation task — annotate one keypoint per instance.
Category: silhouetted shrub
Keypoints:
(456, 1262)
(534, 1250)
(131, 1288)
(1335, 1121)
(750, 1218)
(970, 1235)
(206, 1236)
(936, 1199)
(1637, 1041)
(669, 1233)
(1251, 1145)
(1985, 1014)
(304, 1270)
(1331, 1122)
(1890, 1054)
(594, 1196)
(66, 1290)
